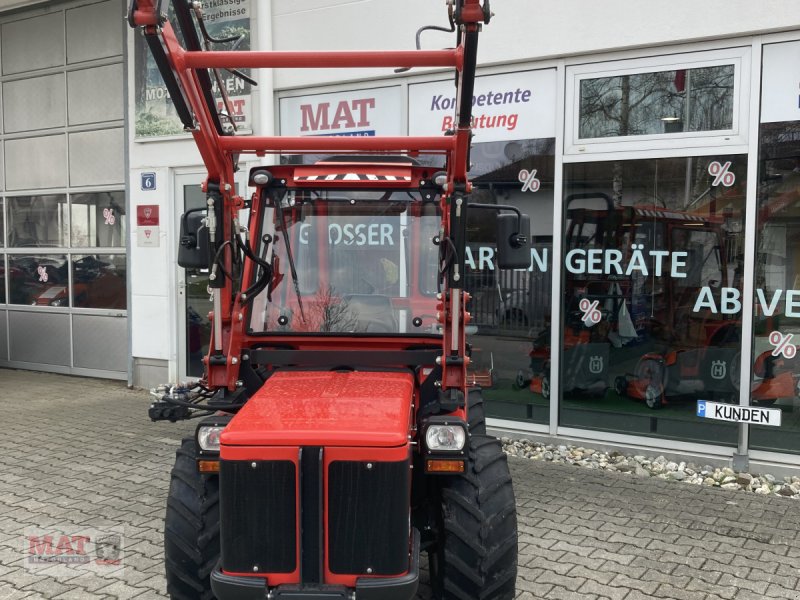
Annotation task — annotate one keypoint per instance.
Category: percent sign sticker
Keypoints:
(529, 181)
(591, 314)
(783, 344)
(721, 172)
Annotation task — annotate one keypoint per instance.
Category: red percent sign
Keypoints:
(783, 344)
(591, 314)
(529, 181)
(721, 173)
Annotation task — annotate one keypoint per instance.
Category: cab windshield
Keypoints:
(364, 262)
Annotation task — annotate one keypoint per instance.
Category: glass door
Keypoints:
(194, 300)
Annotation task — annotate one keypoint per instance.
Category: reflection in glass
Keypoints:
(776, 368)
(511, 308)
(98, 281)
(198, 299)
(2, 279)
(653, 269)
(37, 221)
(38, 280)
(357, 256)
(656, 103)
(2, 228)
(98, 220)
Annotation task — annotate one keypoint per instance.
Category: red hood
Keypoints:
(326, 408)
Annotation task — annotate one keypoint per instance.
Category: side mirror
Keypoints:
(513, 241)
(194, 249)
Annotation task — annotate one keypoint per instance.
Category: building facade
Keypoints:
(657, 152)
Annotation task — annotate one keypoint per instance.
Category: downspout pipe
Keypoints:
(265, 92)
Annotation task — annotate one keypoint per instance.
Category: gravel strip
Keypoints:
(647, 466)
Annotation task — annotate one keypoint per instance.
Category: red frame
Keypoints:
(218, 153)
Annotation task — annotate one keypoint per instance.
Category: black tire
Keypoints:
(476, 415)
(621, 385)
(476, 553)
(734, 373)
(765, 401)
(191, 528)
(653, 396)
(650, 377)
(520, 381)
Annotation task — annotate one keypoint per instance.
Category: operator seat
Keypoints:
(373, 313)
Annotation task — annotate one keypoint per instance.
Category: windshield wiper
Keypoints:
(292, 269)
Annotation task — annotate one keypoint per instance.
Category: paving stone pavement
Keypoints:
(80, 454)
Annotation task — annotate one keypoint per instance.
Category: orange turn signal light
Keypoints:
(208, 466)
(435, 465)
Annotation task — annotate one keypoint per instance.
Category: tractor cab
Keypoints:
(352, 249)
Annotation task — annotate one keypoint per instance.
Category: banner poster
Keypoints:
(780, 83)
(155, 114)
(364, 113)
(510, 106)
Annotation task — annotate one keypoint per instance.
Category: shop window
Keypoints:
(98, 220)
(98, 281)
(650, 103)
(2, 225)
(38, 280)
(652, 294)
(510, 333)
(659, 102)
(38, 221)
(776, 368)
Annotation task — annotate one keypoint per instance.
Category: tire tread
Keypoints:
(191, 528)
(478, 558)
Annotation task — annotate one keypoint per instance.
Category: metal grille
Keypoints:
(368, 526)
(258, 509)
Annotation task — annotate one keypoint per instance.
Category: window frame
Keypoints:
(739, 57)
(68, 250)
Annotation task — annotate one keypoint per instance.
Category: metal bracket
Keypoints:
(740, 462)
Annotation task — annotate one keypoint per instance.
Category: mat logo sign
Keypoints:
(347, 115)
(369, 112)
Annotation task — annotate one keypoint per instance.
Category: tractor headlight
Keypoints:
(445, 435)
(208, 437)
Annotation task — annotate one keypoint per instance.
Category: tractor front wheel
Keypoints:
(476, 553)
(191, 528)
(475, 411)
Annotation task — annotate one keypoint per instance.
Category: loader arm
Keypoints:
(187, 72)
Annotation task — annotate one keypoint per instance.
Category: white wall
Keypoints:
(521, 29)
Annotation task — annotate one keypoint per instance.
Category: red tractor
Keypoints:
(340, 438)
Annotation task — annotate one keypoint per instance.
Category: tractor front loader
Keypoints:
(339, 438)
